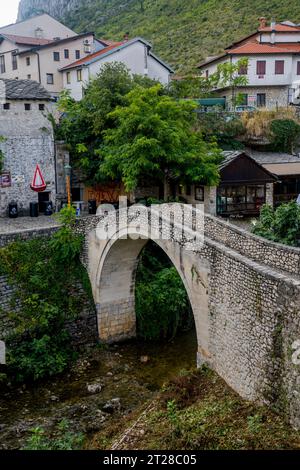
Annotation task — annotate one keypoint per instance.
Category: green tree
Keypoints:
(153, 137)
(285, 134)
(83, 122)
(231, 74)
(281, 225)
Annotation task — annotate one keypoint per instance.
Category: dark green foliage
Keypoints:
(281, 225)
(162, 305)
(223, 127)
(62, 439)
(285, 133)
(46, 274)
(83, 123)
(153, 137)
(129, 129)
(182, 32)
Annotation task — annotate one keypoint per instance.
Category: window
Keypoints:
(29, 77)
(199, 193)
(77, 54)
(27, 106)
(68, 78)
(298, 67)
(41, 107)
(27, 61)
(279, 67)
(261, 68)
(66, 53)
(50, 78)
(56, 56)
(2, 64)
(261, 100)
(14, 61)
(6, 106)
(79, 75)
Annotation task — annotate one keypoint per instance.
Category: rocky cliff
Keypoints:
(56, 8)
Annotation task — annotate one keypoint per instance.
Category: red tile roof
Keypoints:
(257, 48)
(94, 55)
(280, 28)
(28, 41)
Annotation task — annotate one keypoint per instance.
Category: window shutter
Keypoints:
(279, 67)
(261, 67)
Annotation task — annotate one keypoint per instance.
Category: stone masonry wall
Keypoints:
(83, 329)
(29, 141)
(253, 293)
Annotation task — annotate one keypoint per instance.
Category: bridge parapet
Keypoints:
(276, 255)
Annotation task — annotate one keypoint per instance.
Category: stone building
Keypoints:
(26, 140)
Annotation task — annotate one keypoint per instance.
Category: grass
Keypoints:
(198, 411)
(183, 33)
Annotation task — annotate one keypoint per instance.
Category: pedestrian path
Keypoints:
(26, 223)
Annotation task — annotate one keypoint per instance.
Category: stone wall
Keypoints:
(276, 96)
(10, 237)
(28, 141)
(83, 329)
(271, 254)
(244, 292)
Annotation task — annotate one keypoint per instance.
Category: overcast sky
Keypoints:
(8, 11)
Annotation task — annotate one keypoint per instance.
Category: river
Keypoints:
(108, 383)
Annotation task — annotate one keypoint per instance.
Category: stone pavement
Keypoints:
(26, 223)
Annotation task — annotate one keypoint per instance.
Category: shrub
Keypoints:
(281, 225)
(285, 134)
(46, 273)
(157, 317)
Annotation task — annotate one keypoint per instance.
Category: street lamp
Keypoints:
(68, 170)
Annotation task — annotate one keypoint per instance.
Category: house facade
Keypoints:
(136, 54)
(44, 50)
(273, 71)
(26, 141)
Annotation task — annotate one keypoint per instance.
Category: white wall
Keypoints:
(281, 37)
(51, 27)
(270, 77)
(133, 56)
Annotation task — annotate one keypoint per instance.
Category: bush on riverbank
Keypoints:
(162, 304)
(45, 273)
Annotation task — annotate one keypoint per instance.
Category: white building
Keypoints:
(136, 54)
(37, 48)
(44, 50)
(273, 72)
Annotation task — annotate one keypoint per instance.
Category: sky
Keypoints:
(8, 11)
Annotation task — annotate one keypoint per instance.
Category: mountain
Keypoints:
(183, 32)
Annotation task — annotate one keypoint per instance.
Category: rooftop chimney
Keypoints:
(262, 22)
(273, 33)
(126, 37)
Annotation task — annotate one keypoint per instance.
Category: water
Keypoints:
(121, 374)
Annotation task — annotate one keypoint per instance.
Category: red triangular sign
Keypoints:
(38, 183)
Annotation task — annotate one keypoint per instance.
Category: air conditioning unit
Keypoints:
(87, 48)
(86, 42)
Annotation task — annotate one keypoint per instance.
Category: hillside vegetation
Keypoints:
(183, 32)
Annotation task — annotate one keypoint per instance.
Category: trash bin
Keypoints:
(48, 208)
(92, 206)
(13, 211)
(34, 209)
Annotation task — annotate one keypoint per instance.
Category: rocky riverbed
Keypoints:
(100, 388)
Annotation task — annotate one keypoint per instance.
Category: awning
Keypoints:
(283, 169)
(212, 102)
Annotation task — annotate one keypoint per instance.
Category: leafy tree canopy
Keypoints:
(154, 137)
(130, 129)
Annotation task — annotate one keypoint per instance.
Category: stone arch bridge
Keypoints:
(244, 292)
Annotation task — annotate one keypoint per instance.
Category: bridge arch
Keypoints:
(113, 265)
